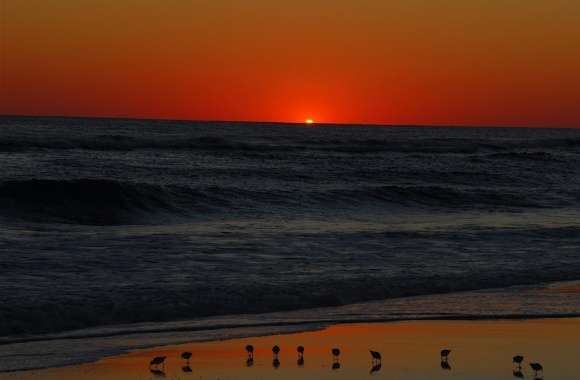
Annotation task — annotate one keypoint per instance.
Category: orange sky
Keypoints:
(472, 62)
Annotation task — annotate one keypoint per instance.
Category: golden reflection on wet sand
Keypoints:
(409, 350)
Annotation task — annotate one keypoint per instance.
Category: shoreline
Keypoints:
(327, 323)
(389, 336)
(554, 301)
(321, 326)
(553, 289)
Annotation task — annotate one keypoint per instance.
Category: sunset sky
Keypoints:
(452, 62)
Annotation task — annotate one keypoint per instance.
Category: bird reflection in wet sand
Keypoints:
(445, 365)
(249, 362)
(375, 368)
(336, 365)
(186, 368)
(157, 372)
(518, 373)
(276, 363)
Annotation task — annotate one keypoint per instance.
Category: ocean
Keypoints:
(111, 225)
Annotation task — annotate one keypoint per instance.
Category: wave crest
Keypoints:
(113, 202)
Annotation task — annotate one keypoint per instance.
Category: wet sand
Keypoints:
(410, 350)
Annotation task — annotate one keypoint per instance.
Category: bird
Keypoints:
(276, 351)
(300, 350)
(518, 359)
(300, 361)
(336, 353)
(376, 356)
(158, 360)
(537, 367)
(250, 350)
(445, 354)
(186, 356)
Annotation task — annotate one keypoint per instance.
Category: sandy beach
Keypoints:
(410, 350)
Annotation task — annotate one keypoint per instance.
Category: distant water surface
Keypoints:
(118, 221)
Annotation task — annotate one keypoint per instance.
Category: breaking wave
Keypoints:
(111, 202)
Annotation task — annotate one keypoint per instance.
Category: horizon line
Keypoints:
(314, 125)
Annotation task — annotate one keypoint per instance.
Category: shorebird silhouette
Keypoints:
(186, 356)
(275, 351)
(445, 354)
(300, 350)
(518, 359)
(376, 356)
(158, 361)
(335, 354)
(250, 350)
(537, 367)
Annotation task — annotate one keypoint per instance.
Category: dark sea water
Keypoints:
(107, 222)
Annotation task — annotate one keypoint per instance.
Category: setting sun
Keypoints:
(309, 121)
